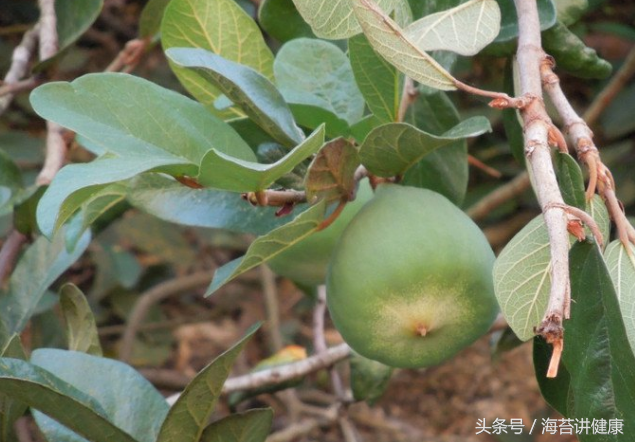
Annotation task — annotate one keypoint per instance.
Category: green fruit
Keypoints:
(306, 261)
(410, 282)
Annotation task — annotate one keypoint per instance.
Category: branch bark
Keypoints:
(19, 64)
(537, 127)
(581, 136)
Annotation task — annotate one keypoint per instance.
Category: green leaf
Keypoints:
(132, 117)
(221, 27)
(41, 264)
(570, 11)
(250, 426)
(270, 245)
(151, 16)
(388, 39)
(311, 117)
(188, 417)
(318, 73)
(10, 175)
(10, 409)
(509, 18)
(169, 200)
(572, 55)
(621, 265)
(126, 399)
(570, 180)
(98, 204)
(464, 29)
(161, 131)
(379, 82)
(73, 19)
(250, 90)
(226, 173)
(369, 379)
(81, 330)
(115, 267)
(598, 357)
(445, 170)
(334, 19)
(331, 175)
(281, 20)
(393, 148)
(522, 278)
(78, 184)
(59, 399)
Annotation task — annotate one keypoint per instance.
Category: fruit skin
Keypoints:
(306, 262)
(410, 282)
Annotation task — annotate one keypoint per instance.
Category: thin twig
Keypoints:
(19, 64)
(610, 91)
(56, 148)
(19, 86)
(499, 196)
(263, 378)
(537, 125)
(49, 43)
(408, 97)
(319, 341)
(581, 136)
(146, 300)
(9, 253)
(272, 307)
(129, 57)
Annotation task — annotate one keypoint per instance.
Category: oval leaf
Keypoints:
(388, 39)
(318, 73)
(188, 416)
(226, 173)
(81, 330)
(334, 19)
(250, 90)
(169, 200)
(281, 20)
(379, 81)
(621, 265)
(250, 426)
(60, 400)
(127, 399)
(266, 247)
(393, 148)
(331, 173)
(465, 29)
(42, 263)
(221, 27)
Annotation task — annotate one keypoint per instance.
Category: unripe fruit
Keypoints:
(410, 282)
(306, 261)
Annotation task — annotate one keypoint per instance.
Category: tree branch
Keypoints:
(19, 64)
(146, 300)
(581, 136)
(537, 127)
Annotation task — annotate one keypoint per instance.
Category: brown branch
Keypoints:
(19, 64)
(19, 86)
(272, 307)
(9, 253)
(610, 91)
(408, 97)
(275, 198)
(129, 57)
(49, 43)
(500, 100)
(475, 162)
(536, 126)
(319, 341)
(499, 196)
(581, 136)
(146, 300)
